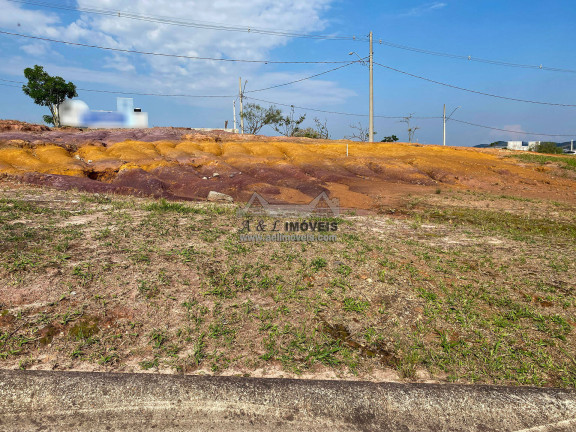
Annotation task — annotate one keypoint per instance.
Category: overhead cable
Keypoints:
(474, 91)
(133, 93)
(512, 131)
(188, 23)
(165, 54)
(301, 79)
(475, 59)
(334, 112)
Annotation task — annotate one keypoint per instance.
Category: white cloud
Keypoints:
(510, 136)
(14, 17)
(424, 8)
(172, 75)
(36, 48)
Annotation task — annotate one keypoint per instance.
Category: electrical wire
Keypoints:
(188, 23)
(474, 91)
(335, 112)
(254, 30)
(302, 79)
(199, 96)
(340, 113)
(131, 93)
(512, 131)
(474, 59)
(168, 55)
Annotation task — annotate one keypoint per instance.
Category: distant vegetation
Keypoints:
(392, 138)
(548, 147)
(566, 162)
(256, 117)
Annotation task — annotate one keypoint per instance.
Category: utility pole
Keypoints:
(241, 107)
(371, 122)
(234, 114)
(445, 119)
(444, 123)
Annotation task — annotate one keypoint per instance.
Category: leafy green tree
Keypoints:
(307, 133)
(392, 138)
(548, 147)
(289, 125)
(48, 91)
(256, 117)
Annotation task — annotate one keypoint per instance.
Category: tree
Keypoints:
(48, 91)
(322, 128)
(289, 125)
(411, 130)
(307, 133)
(548, 147)
(392, 138)
(361, 133)
(318, 132)
(256, 117)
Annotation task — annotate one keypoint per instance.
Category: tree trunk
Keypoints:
(55, 115)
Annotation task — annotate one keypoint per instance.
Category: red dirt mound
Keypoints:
(15, 125)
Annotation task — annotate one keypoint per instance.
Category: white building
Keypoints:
(74, 112)
(522, 145)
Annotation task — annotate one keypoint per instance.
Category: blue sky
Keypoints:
(512, 31)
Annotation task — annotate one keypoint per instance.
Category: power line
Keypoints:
(474, 91)
(131, 93)
(512, 131)
(188, 23)
(474, 59)
(302, 79)
(330, 112)
(250, 29)
(210, 96)
(168, 55)
(334, 112)
(417, 118)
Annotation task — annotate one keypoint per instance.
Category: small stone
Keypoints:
(215, 175)
(73, 293)
(217, 196)
(204, 178)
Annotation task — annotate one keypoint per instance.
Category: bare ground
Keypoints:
(447, 285)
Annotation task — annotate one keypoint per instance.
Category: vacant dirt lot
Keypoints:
(449, 265)
(182, 164)
(456, 286)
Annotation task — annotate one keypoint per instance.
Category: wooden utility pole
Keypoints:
(241, 107)
(444, 123)
(234, 114)
(371, 121)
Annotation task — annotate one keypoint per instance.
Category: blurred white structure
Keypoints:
(522, 145)
(76, 113)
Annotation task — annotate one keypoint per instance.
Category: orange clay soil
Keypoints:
(282, 170)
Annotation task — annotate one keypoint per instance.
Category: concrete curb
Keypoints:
(73, 401)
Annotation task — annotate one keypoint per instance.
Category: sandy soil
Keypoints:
(179, 163)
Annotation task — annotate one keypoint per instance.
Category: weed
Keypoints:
(158, 338)
(353, 305)
(149, 364)
(318, 263)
